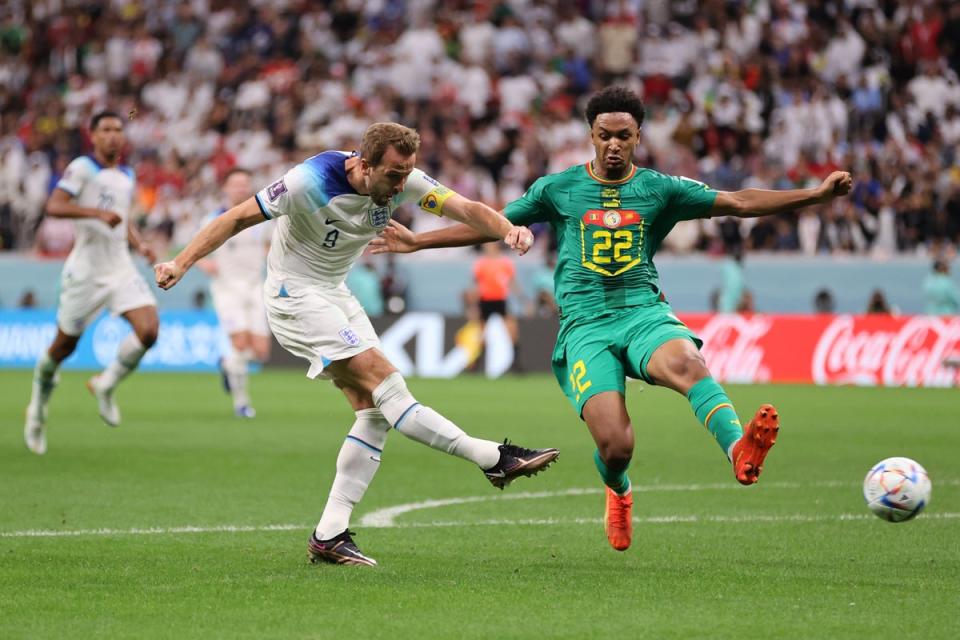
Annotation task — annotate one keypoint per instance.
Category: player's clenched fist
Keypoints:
(837, 184)
(168, 274)
(519, 239)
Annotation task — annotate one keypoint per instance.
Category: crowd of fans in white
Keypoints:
(763, 93)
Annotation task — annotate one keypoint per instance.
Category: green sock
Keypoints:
(616, 480)
(715, 412)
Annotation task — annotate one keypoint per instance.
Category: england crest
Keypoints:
(379, 217)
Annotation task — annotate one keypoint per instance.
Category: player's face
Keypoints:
(614, 137)
(388, 178)
(237, 188)
(108, 138)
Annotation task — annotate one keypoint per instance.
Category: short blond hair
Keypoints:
(381, 135)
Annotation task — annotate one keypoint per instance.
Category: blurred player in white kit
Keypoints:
(236, 285)
(97, 191)
(328, 209)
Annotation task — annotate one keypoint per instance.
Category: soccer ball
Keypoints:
(897, 489)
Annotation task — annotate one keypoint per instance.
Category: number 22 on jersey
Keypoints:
(611, 240)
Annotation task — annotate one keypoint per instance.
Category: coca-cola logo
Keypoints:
(910, 352)
(732, 350)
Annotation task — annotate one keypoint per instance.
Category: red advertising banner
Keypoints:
(914, 351)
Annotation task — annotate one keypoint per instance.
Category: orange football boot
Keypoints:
(618, 519)
(755, 443)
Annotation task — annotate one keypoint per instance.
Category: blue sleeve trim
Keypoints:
(65, 190)
(262, 208)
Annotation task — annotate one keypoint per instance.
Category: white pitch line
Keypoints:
(386, 518)
(676, 519)
(150, 531)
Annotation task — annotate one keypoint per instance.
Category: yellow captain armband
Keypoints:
(433, 201)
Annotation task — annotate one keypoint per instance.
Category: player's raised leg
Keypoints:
(146, 324)
(44, 381)
(678, 365)
(501, 463)
(606, 416)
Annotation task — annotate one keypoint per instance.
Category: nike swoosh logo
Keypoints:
(496, 474)
(375, 459)
(332, 220)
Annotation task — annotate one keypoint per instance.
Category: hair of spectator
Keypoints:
(242, 170)
(381, 135)
(615, 100)
(100, 115)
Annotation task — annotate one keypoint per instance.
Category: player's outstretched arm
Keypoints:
(490, 224)
(396, 238)
(246, 214)
(753, 203)
(60, 205)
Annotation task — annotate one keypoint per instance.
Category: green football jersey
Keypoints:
(608, 232)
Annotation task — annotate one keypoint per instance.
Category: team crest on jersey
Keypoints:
(611, 219)
(276, 190)
(350, 336)
(379, 216)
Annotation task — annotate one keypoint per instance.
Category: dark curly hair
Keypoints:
(615, 100)
(97, 117)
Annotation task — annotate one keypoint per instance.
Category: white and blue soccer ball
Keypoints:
(897, 489)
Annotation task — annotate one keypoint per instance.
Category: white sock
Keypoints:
(44, 381)
(235, 366)
(428, 427)
(357, 463)
(128, 357)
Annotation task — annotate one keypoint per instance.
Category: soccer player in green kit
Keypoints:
(610, 217)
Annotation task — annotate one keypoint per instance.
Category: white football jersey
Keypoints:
(323, 224)
(98, 248)
(240, 260)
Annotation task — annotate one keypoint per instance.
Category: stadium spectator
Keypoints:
(940, 291)
(877, 304)
(769, 95)
(823, 302)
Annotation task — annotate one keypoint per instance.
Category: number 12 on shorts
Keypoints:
(577, 374)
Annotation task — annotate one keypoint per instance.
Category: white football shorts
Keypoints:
(240, 308)
(82, 299)
(321, 325)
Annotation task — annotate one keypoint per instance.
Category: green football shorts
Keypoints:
(596, 354)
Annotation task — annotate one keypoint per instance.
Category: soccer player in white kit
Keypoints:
(97, 191)
(236, 284)
(328, 209)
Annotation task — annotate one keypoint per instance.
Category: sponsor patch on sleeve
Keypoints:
(276, 190)
(433, 201)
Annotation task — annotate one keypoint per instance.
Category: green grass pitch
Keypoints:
(188, 523)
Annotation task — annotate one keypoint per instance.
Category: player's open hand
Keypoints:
(520, 239)
(109, 218)
(395, 238)
(167, 273)
(836, 185)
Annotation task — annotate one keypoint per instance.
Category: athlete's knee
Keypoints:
(63, 345)
(358, 398)
(393, 398)
(616, 448)
(688, 367)
(147, 333)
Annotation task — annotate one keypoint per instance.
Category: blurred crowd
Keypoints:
(765, 93)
